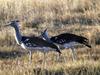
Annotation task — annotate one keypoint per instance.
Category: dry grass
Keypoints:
(50, 12)
(81, 17)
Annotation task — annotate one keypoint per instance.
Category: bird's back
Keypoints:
(64, 38)
(68, 37)
(38, 42)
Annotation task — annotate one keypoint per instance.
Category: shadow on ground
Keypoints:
(82, 20)
(77, 20)
(80, 70)
(11, 54)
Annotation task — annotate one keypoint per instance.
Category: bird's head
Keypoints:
(44, 34)
(13, 23)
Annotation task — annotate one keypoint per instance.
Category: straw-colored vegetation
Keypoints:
(81, 17)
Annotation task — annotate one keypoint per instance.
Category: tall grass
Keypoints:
(81, 17)
(49, 11)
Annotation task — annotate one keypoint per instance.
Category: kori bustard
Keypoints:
(66, 40)
(31, 43)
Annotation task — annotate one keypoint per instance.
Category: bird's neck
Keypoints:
(46, 37)
(17, 35)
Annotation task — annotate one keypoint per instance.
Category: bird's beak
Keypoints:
(6, 25)
(45, 30)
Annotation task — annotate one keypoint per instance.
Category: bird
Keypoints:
(31, 43)
(66, 40)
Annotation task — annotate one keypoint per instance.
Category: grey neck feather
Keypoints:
(46, 37)
(17, 35)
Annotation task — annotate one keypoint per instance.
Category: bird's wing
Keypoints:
(27, 41)
(39, 42)
(62, 38)
(68, 37)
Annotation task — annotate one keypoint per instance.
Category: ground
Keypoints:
(80, 17)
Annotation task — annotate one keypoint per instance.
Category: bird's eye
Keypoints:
(17, 21)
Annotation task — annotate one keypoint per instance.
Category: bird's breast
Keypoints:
(70, 44)
(35, 48)
(23, 46)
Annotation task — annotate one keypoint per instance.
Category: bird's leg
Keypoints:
(44, 60)
(62, 58)
(30, 56)
(58, 57)
(73, 53)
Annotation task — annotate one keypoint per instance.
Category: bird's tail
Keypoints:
(84, 41)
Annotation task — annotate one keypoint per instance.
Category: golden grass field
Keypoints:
(81, 17)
